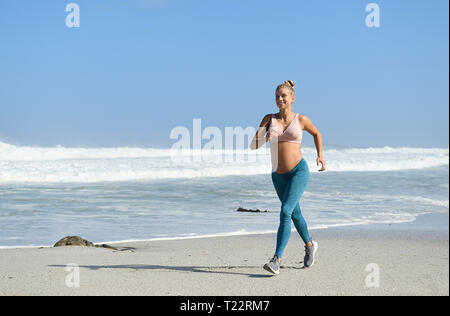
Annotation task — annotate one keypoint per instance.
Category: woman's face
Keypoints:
(284, 98)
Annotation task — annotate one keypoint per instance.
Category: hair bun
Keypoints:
(290, 82)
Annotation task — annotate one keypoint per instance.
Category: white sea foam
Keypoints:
(381, 198)
(87, 165)
(26, 153)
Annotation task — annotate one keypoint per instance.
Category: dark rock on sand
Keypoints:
(251, 211)
(73, 241)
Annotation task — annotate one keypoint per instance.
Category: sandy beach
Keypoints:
(398, 259)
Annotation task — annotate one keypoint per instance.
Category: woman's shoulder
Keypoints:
(268, 116)
(266, 120)
(302, 118)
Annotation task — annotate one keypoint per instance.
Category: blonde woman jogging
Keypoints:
(290, 174)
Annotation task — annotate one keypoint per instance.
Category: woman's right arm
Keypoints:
(260, 137)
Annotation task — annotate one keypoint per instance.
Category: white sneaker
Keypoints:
(273, 266)
(310, 253)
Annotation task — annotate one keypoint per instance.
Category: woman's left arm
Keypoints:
(310, 128)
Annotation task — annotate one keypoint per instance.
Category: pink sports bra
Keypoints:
(292, 134)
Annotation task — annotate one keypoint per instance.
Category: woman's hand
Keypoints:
(322, 162)
(310, 128)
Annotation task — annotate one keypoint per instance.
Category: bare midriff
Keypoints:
(289, 155)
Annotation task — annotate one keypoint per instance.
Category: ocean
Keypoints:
(127, 193)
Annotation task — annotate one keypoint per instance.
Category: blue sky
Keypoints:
(136, 69)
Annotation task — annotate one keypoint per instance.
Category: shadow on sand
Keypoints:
(196, 269)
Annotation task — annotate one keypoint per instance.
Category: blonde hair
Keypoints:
(289, 84)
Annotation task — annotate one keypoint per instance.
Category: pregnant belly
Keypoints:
(285, 156)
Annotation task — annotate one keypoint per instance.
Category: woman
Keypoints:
(290, 174)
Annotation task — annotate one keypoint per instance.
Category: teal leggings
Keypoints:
(290, 187)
